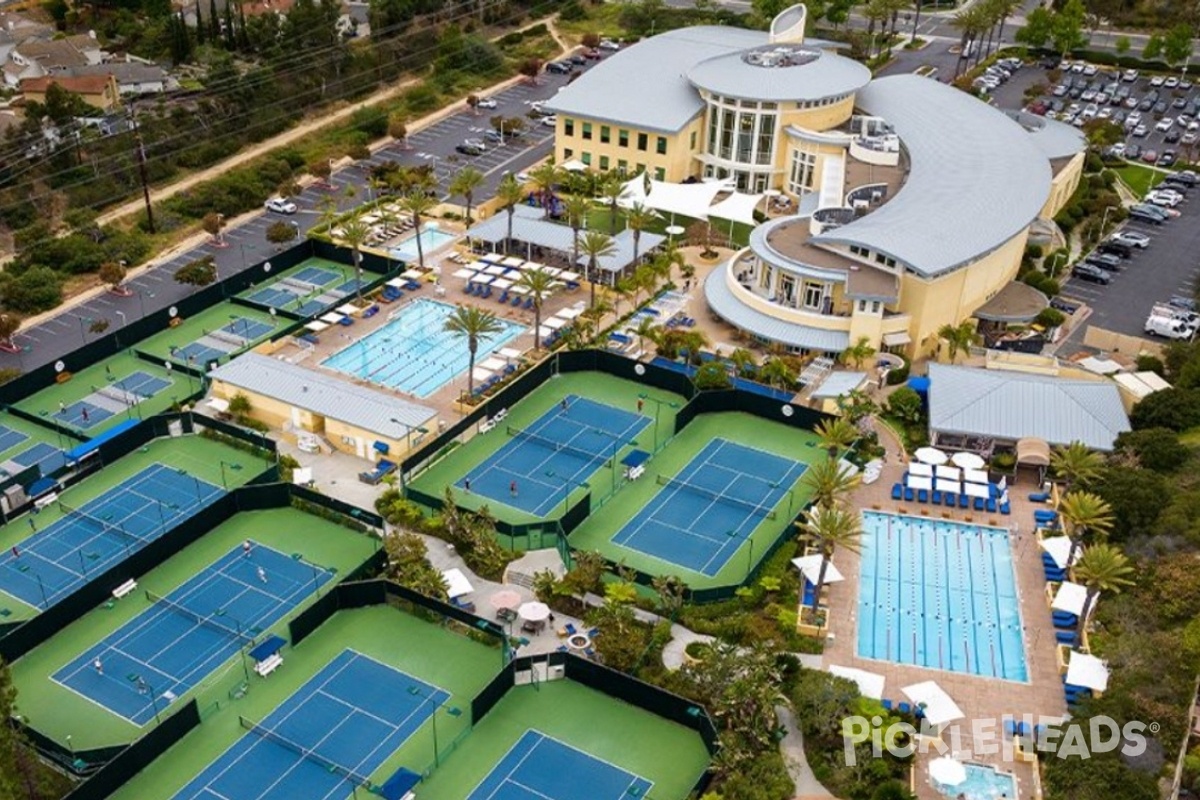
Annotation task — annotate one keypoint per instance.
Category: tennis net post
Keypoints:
(307, 753)
(758, 508)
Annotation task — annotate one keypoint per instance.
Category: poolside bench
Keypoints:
(269, 664)
(487, 425)
(124, 589)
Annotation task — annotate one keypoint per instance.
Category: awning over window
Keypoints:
(896, 339)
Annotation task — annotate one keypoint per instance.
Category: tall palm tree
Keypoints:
(373, 186)
(648, 329)
(354, 234)
(834, 527)
(595, 245)
(835, 434)
(545, 177)
(1084, 513)
(472, 323)
(327, 214)
(509, 193)
(637, 219)
(464, 183)
(417, 204)
(957, 338)
(1103, 568)
(858, 352)
(625, 289)
(1076, 464)
(576, 208)
(742, 360)
(612, 190)
(537, 286)
(776, 372)
(829, 483)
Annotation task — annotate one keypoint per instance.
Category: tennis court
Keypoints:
(48, 457)
(541, 768)
(704, 514)
(166, 650)
(326, 739)
(108, 401)
(306, 289)
(213, 345)
(59, 558)
(557, 453)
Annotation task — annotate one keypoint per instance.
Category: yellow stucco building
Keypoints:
(906, 203)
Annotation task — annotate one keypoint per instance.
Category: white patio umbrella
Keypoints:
(947, 771)
(968, 461)
(1059, 548)
(810, 566)
(534, 611)
(1088, 671)
(930, 455)
(574, 165)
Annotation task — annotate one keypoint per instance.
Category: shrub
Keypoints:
(34, 290)
(371, 120)
(712, 376)
(899, 375)
(1050, 318)
(1156, 449)
(1174, 409)
(1148, 363)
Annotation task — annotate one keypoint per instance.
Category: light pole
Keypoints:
(733, 534)
(117, 332)
(82, 331)
(658, 404)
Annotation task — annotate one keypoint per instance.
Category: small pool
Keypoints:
(431, 239)
(939, 594)
(982, 783)
(414, 353)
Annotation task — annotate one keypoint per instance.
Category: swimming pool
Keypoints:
(982, 783)
(414, 353)
(939, 594)
(431, 239)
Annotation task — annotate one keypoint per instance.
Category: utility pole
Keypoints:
(141, 159)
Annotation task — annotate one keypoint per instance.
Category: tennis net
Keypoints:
(307, 753)
(99, 525)
(223, 335)
(758, 508)
(551, 444)
(120, 395)
(204, 619)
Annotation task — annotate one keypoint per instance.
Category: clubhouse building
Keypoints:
(897, 205)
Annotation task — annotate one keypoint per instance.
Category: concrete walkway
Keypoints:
(681, 637)
(792, 747)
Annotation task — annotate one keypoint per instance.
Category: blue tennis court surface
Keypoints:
(701, 516)
(315, 276)
(324, 740)
(276, 298)
(115, 398)
(59, 558)
(10, 438)
(48, 457)
(563, 447)
(170, 647)
(213, 346)
(540, 768)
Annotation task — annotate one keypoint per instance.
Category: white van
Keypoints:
(1167, 327)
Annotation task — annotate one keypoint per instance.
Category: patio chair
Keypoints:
(503, 298)
(990, 505)
(562, 648)
(909, 494)
(936, 497)
(1005, 509)
(516, 301)
(570, 629)
(964, 501)
(922, 495)
(529, 304)
(978, 504)
(897, 491)
(904, 708)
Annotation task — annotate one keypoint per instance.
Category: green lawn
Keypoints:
(600, 219)
(1138, 178)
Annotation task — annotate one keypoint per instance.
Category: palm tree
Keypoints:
(472, 323)
(858, 352)
(1083, 513)
(835, 434)
(327, 214)
(576, 208)
(1076, 464)
(671, 256)
(648, 329)
(464, 184)
(776, 372)
(354, 234)
(1103, 568)
(509, 193)
(373, 186)
(545, 177)
(612, 190)
(644, 277)
(834, 527)
(829, 483)
(693, 341)
(957, 337)
(625, 289)
(537, 286)
(417, 204)
(595, 245)
(637, 219)
(742, 360)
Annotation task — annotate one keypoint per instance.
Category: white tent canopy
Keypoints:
(1059, 548)
(737, 207)
(1088, 671)
(1070, 598)
(870, 684)
(810, 567)
(938, 706)
(574, 165)
(685, 199)
(947, 771)
(456, 583)
(633, 192)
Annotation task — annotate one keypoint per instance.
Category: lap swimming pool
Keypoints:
(414, 353)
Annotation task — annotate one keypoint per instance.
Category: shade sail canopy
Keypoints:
(939, 708)
(737, 207)
(870, 684)
(1070, 598)
(685, 199)
(1059, 548)
(505, 598)
(456, 583)
(1088, 671)
(810, 568)
(574, 165)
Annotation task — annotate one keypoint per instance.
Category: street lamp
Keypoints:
(658, 404)
(82, 331)
(733, 534)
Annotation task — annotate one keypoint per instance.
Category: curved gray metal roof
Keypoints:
(822, 74)
(1055, 139)
(976, 178)
(725, 305)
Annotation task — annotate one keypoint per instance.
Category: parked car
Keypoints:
(470, 149)
(1133, 152)
(593, 54)
(1131, 239)
(1167, 158)
(1140, 214)
(609, 44)
(1186, 177)
(550, 121)
(1091, 273)
(1150, 157)
(1157, 80)
(1115, 249)
(1165, 124)
(281, 205)
(1146, 208)
(1129, 75)
(1105, 261)
(1186, 303)
(487, 102)
(561, 67)
(477, 143)
(1117, 150)
(1141, 131)
(1171, 82)
(1167, 327)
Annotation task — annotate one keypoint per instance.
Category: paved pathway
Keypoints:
(792, 747)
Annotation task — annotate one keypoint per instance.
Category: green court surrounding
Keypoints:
(425, 650)
(58, 712)
(597, 532)
(296, 289)
(50, 402)
(35, 435)
(172, 343)
(206, 459)
(602, 388)
(670, 755)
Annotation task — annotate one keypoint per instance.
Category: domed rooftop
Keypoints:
(781, 72)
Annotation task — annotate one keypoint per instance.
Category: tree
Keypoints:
(1177, 44)
(1155, 449)
(354, 234)
(1122, 45)
(833, 527)
(637, 219)
(648, 329)
(320, 169)
(1084, 513)
(858, 352)
(1076, 464)
(1039, 23)
(776, 372)
(531, 68)
(1175, 409)
(473, 103)
(1153, 47)
(1102, 568)
(408, 565)
(1067, 33)
(464, 184)
(198, 273)
(113, 273)
(835, 434)
(1136, 498)
(537, 286)
(327, 214)
(212, 224)
(544, 178)
(9, 325)
(712, 376)
(828, 482)
(595, 245)
(905, 404)
(472, 324)
(397, 129)
(576, 208)
(743, 362)
(612, 189)
(280, 233)
(417, 204)
(957, 338)
(509, 193)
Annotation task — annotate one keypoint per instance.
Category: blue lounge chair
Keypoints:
(1010, 726)
(887, 704)
(964, 501)
(897, 491)
(1065, 637)
(990, 504)
(570, 629)
(1005, 509)
(936, 497)
(528, 303)
(470, 289)
(978, 504)
(516, 301)
(503, 298)
(562, 648)
(909, 495)
(593, 633)
(1039, 497)
(904, 708)
(922, 495)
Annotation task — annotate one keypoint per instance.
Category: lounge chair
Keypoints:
(964, 501)
(1005, 509)
(978, 504)
(909, 494)
(516, 301)
(528, 303)
(990, 504)
(904, 708)
(1010, 726)
(1039, 497)
(897, 491)
(887, 704)
(570, 629)
(922, 495)
(1065, 637)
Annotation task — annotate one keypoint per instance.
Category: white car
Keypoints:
(1129, 75)
(550, 121)
(1089, 70)
(1171, 82)
(1162, 199)
(1157, 81)
(609, 44)
(487, 102)
(1165, 125)
(1117, 150)
(281, 205)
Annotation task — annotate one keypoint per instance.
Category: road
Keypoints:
(246, 243)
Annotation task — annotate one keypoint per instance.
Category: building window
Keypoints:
(745, 137)
(568, 127)
(814, 295)
(587, 130)
(660, 174)
(859, 250)
(765, 152)
(787, 290)
(874, 306)
(692, 142)
(586, 158)
(803, 172)
(604, 162)
(348, 440)
(622, 166)
(640, 169)
(605, 134)
(661, 146)
(643, 141)
(623, 138)
(568, 153)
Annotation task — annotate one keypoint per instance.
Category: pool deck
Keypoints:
(980, 698)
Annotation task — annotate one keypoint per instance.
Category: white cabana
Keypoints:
(218, 405)
(870, 684)
(396, 283)
(513, 262)
(569, 313)
(456, 583)
(947, 771)
(348, 309)
(1059, 548)
(502, 283)
(947, 473)
(494, 269)
(685, 199)
(968, 460)
(921, 470)
(810, 568)
(951, 487)
(918, 482)
(974, 475)
(939, 708)
(333, 318)
(574, 165)
(1070, 598)
(316, 326)
(1087, 671)
(508, 352)
(481, 374)
(493, 363)
(412, 274)
(737, 207)
(930, 455)
(554, 323)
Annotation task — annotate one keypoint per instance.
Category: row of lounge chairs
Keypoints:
(989, 505)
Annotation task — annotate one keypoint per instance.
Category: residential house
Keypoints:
(98, 91)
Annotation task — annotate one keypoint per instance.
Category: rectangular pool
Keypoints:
(982, 783)
(939, 594)
(431, 239)
(414, 353)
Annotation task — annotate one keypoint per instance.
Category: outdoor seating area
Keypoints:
(385, 222)
(493, 370)
(498, 276)
(411, 280)
(963, 484)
